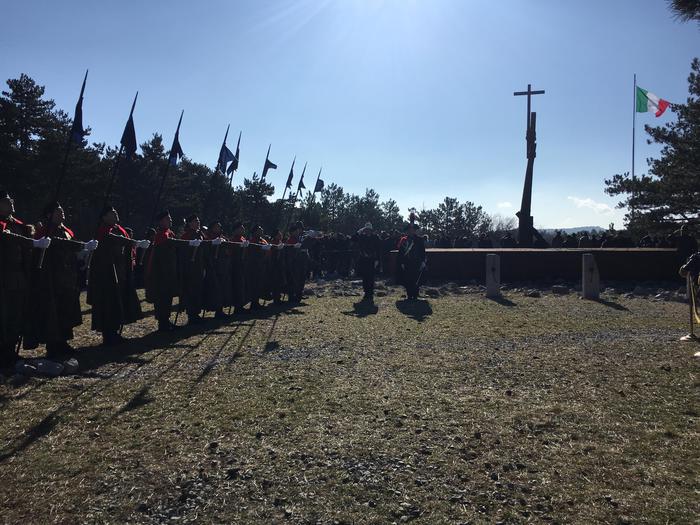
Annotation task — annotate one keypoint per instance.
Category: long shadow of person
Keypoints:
(417, 309)
(362, 309)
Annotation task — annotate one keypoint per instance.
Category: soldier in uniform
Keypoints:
(369, 253)
(111, 291)
(193, 270)
(411, 261)
(16, 245)
(295, 263)
(238, 256)
(55, 287)
(277, 277)
(256, 269)
(161, 271)
(217, 282)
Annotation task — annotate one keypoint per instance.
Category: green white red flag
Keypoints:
(648, 102)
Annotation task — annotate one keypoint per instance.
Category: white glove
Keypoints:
(143, 244)
(422, 266)
(195, 242)
(266, 247)
(297, 245)
(279, 246)
(217, 241)
(245, 243)
(91, 246)
(42, 243)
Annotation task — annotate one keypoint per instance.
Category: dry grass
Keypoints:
(456, 410)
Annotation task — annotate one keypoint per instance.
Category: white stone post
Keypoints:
(590, 278)
(493, 275)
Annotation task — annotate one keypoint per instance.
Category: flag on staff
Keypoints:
(225, 155)
(77, 132)
(291, 175)
(128, 140)
(319, 183)
(176, 150)
(269, 165)
(648, 102)
(237, 157)
(301, 181)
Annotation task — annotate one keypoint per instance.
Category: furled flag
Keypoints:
(77, 132)
(301, 181)
(176, 150)
(237, 157)
(319, 183)
(291, 175)
(647, 101)
(128, 140)
(269, 165)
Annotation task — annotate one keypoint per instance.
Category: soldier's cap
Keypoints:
(162, 215)
(192, 217)
(49, 208)
(108, 208)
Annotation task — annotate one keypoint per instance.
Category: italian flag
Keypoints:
(647, 101)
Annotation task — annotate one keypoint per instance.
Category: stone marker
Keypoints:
(590, 278)
(493, 275)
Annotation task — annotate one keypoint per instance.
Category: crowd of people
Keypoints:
(44, 268)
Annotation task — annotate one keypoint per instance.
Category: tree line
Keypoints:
(33, 133)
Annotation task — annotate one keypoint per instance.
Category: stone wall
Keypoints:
(518, 264)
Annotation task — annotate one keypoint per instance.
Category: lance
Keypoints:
(288, 184)
(316, 184)
(115, 167)
(167, 167)
(238, 151)
(267, 157)
(69, 142)
(296, 194)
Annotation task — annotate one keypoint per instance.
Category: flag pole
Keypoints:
(265, 165)
(166, 169)
(218, 162)
(64, 166)
(115, 168)
(285, 186)
(634, 121)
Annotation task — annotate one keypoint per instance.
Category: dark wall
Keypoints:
(619, 264)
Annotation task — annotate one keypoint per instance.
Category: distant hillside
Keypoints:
(577, 229)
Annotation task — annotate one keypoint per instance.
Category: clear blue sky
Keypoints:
(413, 98)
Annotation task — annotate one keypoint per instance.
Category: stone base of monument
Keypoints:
(525, 264)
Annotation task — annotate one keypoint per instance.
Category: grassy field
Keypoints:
(458, 409)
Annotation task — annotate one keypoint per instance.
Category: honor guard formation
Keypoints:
(44, 268)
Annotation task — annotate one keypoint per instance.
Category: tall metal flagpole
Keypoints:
(634, 121)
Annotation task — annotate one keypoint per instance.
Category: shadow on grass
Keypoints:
(418, 309)
(611, 304)
(32, 434)
(502, 301)
(362, 309)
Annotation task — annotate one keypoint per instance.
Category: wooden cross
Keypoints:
(529, 94)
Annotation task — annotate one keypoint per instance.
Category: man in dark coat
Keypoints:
(296, 263)
(193, 270)
(16, 245)
(111, 291)
(239, 248)
(161, 275)
(55, 288)
(277, 277)
(411, 261)
(369, 253)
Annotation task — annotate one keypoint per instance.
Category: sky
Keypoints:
(413, 98)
